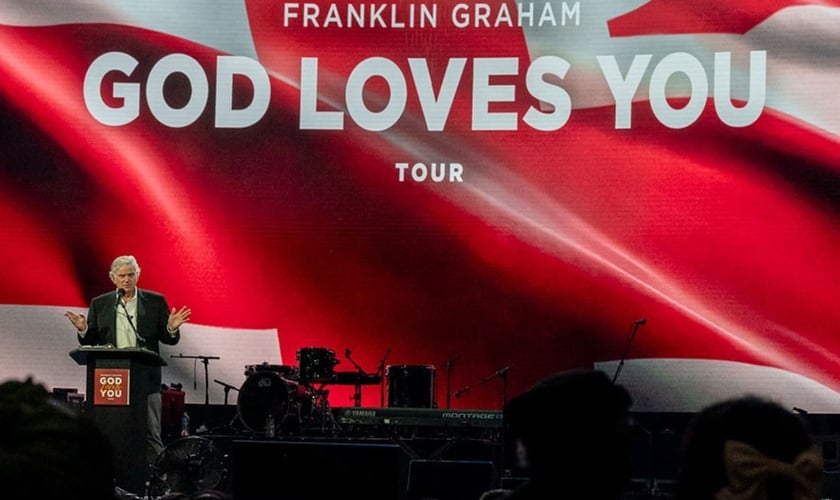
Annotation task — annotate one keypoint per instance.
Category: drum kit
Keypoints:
(291, 400)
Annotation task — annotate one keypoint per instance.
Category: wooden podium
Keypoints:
(116, 399)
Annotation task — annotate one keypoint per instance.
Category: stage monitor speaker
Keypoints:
(449, 479)
(314, 470)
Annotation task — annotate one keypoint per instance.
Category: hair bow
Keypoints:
(748, 470)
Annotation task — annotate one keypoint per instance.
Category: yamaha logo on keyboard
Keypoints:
(361, 413)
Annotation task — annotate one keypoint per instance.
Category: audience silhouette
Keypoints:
(572, 433)
(49, 451)
(749, 448)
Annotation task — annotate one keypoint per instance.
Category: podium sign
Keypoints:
(111, 386)
(117, 400)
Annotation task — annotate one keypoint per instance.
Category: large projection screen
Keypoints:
(491, 191)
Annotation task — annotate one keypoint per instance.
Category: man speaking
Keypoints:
(132, 317)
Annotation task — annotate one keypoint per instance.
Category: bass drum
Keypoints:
(266, 393)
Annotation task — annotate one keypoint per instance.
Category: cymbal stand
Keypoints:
(380, 370)
(357, 393)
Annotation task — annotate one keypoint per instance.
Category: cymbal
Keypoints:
(356, 378)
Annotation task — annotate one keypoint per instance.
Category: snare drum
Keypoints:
(316, 364)
(411, 386)
(265, 393)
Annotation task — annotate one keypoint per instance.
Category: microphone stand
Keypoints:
(206, 361)
(503, 375)
(630, 336)
(499, 373)
(141, 342)
(227, 387)
(449, 364)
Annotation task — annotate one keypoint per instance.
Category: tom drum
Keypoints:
(316, 364)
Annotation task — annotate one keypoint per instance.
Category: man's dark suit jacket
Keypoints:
(152, 316)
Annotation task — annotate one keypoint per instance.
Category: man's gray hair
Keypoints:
(123, 260)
